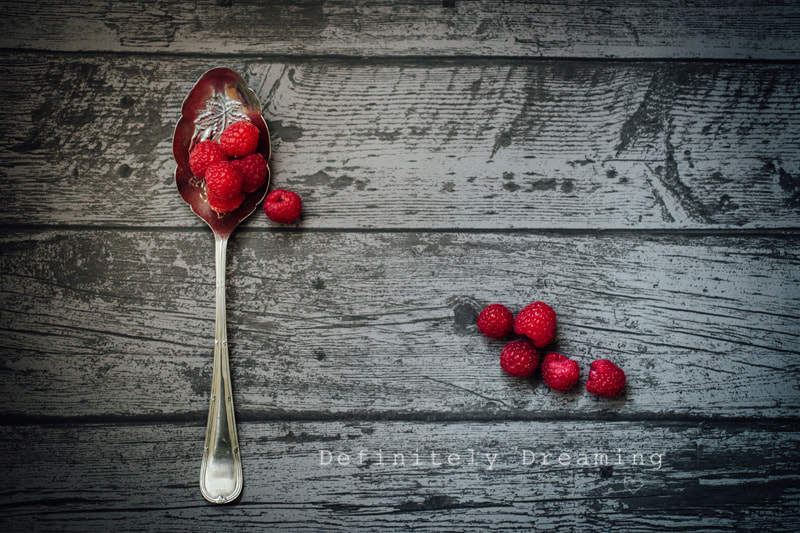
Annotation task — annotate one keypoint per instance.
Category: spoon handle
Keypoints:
(221, 471)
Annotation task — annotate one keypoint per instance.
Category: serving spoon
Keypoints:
(219, 98)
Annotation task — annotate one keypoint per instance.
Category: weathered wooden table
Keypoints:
(636, 165)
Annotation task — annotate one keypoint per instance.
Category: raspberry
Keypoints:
(239, 139)
(537, 321)
(559, 373)
(605, 379)
(204, 154)
(224, 205)
(519, 359)
(496, 321)
(253, 170)
(223, 182)
(283, 206)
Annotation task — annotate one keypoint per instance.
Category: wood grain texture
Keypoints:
(374, 325)
(410, 144)
(142, 477)
(636, 165)
(563, 28)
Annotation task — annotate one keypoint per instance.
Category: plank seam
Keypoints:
(438, 60)
(787, 232)
(248, 417)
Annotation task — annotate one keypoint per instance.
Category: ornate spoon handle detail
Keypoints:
(221, 470)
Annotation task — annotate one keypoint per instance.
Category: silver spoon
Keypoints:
(220, 97)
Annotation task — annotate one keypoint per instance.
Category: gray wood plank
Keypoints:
(420, 144)
(144, 477)
(120, 323)
(564, 28)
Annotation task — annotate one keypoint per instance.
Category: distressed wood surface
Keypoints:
(636, 165)
(706, 477)
(120, 323)
(420, 144)
(564, 28)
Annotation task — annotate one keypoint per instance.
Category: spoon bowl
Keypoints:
(219, 98)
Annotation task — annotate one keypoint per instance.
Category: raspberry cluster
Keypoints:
(231, 167)
(536, 323)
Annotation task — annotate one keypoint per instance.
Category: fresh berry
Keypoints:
(605, 379)
(223, 181)
(204, 154)
(253, 170)
(559, 373)
(283, 206)
(496, 321)
(537, 322)
(224, 205)
(519, 359)
(239, 139)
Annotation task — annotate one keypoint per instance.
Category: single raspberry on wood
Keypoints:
(560, 373)
(519, 359)
(537, 321)
(283, 206)
(223, 181)
(496, 321)
(239, 139)
(605, 379)
(253, 170)
(203, 155)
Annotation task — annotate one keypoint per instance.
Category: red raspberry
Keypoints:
(537, 322)
(223, 181)
(605, 379)
(224, 205)
(283, 206)
(239, 139)
(253, 170)
(204, 154)
(519, 359)
(496, 321)
(560, 373)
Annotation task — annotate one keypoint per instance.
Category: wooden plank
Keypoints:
(565, 28)
(120, 323)
(416, 144)
(144, 477)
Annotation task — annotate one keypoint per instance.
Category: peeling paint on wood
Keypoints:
(703, 478)
(564, 28)
(385, 322)
(611, 160)
(532, 145)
